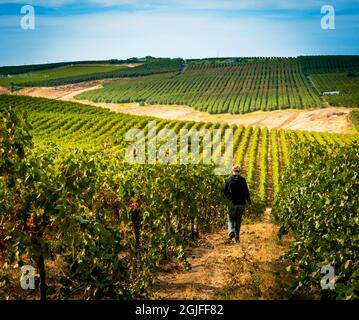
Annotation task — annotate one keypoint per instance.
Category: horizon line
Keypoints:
(191, 58)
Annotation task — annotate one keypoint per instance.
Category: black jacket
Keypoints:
(236, 190)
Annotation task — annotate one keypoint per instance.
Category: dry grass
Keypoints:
(222, 270)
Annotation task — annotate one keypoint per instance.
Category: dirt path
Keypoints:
(222, 270)
(331, 119)
(66, 92)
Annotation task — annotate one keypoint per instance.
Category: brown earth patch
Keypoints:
(224, 270)
(4, 90)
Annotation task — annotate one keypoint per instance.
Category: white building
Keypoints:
(330, 92)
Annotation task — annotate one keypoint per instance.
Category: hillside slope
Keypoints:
(329, 119)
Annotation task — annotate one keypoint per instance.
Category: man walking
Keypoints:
(236, 191)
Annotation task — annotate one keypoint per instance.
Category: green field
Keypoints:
(263, 84)
(57, 73)
(348, 87)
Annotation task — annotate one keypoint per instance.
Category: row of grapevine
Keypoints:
(275, 161)
(263, 166)
(318, 205)
(284, 147)
(242, 149)
(252, 157)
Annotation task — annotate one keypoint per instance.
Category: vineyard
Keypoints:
(213, 85)
(179, 159)
(71, 125)
(346, 84)
(96, 226)
(107, 224)
(263, 84)
(121, 219)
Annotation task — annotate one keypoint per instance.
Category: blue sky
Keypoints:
(102, 29)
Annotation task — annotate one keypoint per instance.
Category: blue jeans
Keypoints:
(234, 219)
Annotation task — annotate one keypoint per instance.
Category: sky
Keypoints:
(72, 30)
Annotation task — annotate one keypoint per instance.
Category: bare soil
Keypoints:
(330, 119)
(4, 90)
(60, 92)
(225, 270)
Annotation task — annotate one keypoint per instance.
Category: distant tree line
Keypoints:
(327, 64)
